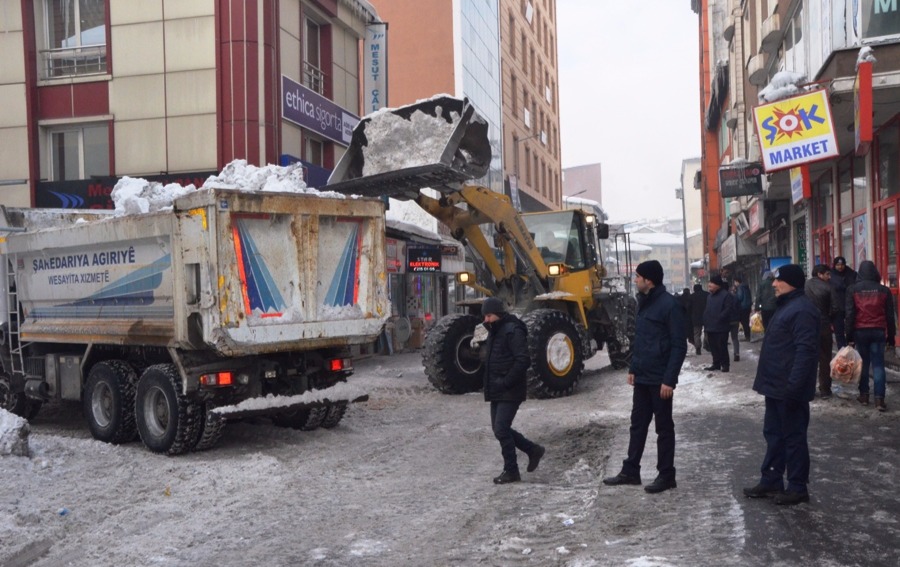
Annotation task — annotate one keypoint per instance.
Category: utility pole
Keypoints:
(679, 194)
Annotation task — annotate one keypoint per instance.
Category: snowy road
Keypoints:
(405, 479)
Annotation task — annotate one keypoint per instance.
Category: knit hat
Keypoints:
(492, 305)
(651, 270)
(717, 279)
(791, 274)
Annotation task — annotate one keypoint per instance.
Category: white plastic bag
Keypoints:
(846, 366)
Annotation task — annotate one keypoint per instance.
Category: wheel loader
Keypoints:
(547, 266)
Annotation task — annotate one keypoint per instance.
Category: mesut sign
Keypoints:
(795, 131)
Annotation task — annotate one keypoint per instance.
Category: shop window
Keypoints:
(879, 18)
(845, 184)
(77, 152)
(860, 187)
(822, 194)
(847, 240)
(888, 158)
(74, 38)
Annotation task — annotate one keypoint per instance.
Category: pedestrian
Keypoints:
(786, 376)
(823, 296)
(505, 365)
(721, 310)
(745, 304)
(870, 321)
(685, 301)
(842, 277)
(765, 298)
(698, 306)
(659, 351)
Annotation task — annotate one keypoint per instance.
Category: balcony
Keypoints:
(729, 29)
(313, 78)
(770, 34)
(731, 118)
(73, 61)
(756, 70)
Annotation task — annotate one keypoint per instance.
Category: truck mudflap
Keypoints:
(436, 142)
(271, 404)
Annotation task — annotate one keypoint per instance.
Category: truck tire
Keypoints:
(557, 353)
(108, 401)
(209, 430)
(15, 403)
(451, 364)
(305, 419)
(334, 414)
(166, 419)
(621, 346)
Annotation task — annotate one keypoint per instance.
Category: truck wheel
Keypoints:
(15, 403)
(108, 401)
(334, 414)
(166, 420)
(451, 364)
(557, 353)
(305, 419)
(621, 346)
(209, 430)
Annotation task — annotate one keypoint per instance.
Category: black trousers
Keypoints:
(502, 416)
(787, 450)
(718, 345)
(840, 336)
(646, 406)
(825, 359)
(745, 322)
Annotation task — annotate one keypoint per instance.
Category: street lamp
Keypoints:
(679, 194)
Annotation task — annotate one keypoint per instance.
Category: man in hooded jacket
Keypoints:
(505, 386)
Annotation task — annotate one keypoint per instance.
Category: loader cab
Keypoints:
(565, 237)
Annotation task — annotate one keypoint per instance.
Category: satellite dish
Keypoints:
(402, 329)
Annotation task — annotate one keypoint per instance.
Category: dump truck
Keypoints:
(168, 324)
(546, 266)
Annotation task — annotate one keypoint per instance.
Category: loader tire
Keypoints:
(166, 420)
(620, 347)
(334, 415)
(15, 403)
(209, 430)
(557, 353)
(108, 401)
(451, 364)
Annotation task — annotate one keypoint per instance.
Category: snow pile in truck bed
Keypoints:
(133, 195)
(397, 143)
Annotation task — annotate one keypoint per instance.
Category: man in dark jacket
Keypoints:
(721, 311)
(685, 301)
(765, 298)
(870, 321)
(698, 307)
(504, 385)
(823, 296)
(786, 376)
(745, 304)
(659, 350)
(842, 277)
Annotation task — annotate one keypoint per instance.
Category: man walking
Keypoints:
(842, 277)
(745, 304)
(698, 307)
(504, 385)
(820, 292)
(765, 298)
(721, 310)
(786, 376)
(659, 351)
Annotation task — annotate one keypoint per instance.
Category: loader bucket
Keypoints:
(432, 143)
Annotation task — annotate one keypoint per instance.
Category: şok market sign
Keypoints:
(795, 131)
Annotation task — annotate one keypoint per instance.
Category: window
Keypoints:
(794, 51)
(860, 188)
(313, 78)
(515, 94)
(888, 161)
(880, 18)
(77, 151)
(524, 54)
(313, 150)
(527, 166)
(822, 194)
(75, 38)
(512, 35)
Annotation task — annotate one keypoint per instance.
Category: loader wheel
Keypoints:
(451, 364)
(621, 346)
(166, 419)
(108, 401)
(334, 414)
(16, 403)
(557, 353)
(209, 430)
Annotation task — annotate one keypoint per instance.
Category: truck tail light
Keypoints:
(217, 379)
(339, 364)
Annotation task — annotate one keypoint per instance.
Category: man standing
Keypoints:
(698, 307)
(842, 277)
(745, 304)
(765, 298)
(786, 376)
(823, 297)
(659, 351)
(504, 385)
(685, 301)
(721, 310)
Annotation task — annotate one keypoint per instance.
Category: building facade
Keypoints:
(583, 180)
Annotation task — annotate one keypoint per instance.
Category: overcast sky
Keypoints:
(629, 98)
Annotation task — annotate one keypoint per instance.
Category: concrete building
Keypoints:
(584, 181)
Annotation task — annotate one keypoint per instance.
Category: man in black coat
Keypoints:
(659, 349)
(505, 387)
(823, 296)
(721, 311)
(786, 376)
(698, 307)
(842, 277)
(685, 301)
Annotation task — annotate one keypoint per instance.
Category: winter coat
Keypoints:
(745, 299)
(788, 360)
(507, 360)
(823, 297)
(721, 311)
(698, 306)
(870, 304)
(685, 301)
(659, 339)
(765, 295)
(841, 282)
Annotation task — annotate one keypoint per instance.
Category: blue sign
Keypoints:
(309, 109)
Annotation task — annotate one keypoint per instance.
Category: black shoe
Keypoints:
(506, 477)
(534, 458)
(725, 369)
(660, 484)
(762, 491)
(791, 498)
(621, 478)
(737, 358)
(699, 353)
(713, 368)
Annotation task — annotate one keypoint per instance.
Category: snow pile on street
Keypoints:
(14, 432)
(133, 195)
(783, 85)
(397, 143)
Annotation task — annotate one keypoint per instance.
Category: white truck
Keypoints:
(167, 324)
